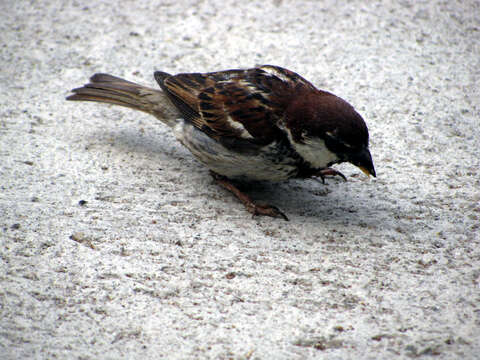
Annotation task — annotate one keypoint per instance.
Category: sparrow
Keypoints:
(264, 123)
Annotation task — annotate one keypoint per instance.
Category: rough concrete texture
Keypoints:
(116, 243)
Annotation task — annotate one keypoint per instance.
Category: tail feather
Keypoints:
(109, 89)
(102, 95)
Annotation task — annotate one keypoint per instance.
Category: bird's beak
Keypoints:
(365, 171)
(363, 160)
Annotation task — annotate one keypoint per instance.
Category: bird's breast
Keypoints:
(272, 162)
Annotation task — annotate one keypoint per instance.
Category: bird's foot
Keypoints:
(329, 172)
(250, 205)
(265, 210)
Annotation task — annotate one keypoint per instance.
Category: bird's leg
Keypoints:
(250, 205)
(322, 173)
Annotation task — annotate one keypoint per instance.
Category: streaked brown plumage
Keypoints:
(265, 123)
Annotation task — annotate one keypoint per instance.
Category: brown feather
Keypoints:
(243, 104)
(113, 90)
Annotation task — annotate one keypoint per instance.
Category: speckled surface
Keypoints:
(158, 262)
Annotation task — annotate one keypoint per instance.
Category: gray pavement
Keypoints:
(116, 244)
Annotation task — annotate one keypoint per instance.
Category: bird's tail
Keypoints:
(113, 90)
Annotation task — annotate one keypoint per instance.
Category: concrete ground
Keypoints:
(115, 243)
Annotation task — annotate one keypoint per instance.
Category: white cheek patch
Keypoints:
(316, 153)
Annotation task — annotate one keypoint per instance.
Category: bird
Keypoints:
(265, 123)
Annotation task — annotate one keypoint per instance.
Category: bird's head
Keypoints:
(325, 130)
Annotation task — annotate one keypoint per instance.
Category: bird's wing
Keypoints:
(236, 104)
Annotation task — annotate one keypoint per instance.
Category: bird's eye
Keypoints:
(336, 146)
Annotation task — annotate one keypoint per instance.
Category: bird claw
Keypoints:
(265, 210)
(329, 172)
(250, 205)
